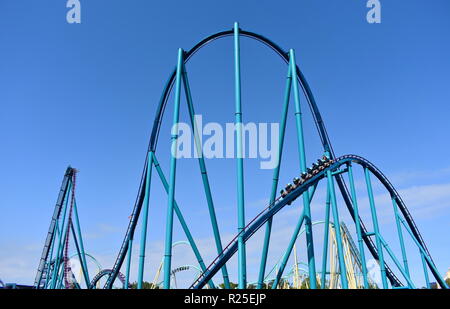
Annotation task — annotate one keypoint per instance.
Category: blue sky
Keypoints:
(85, 94)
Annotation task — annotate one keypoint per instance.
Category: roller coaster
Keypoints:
(344, 261)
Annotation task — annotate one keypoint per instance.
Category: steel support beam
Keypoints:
(173, 167)
(242, 268)
(204, 174)
(358, 225)
(302, 157)
(376, 228)
(337, 229)
(144, 223)
(276, 174)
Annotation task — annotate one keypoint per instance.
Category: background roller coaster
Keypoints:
(332, 170)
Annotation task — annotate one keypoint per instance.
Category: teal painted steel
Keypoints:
(61, 240)
(358, 226)
(425, 270)
(322, 132)
(337, 229)
(204, 175)
(262, 218)
(173, 167)
(57, 277)
(242, 271)
(430, 263)
(307, 195)
(302, 157)
(182, 220)
(276, 266)
(376, 228)
(144, 223)
(81, 244)
(276, 174)
(288, 252)
(400, 236)
(81, 256)
(49, 263)
(325, 241)
(399, 266)
(50, 239)
(127, 273)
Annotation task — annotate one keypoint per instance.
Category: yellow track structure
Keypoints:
(352, 265)
(296, 278)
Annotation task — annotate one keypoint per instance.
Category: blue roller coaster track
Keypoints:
(270, 211)
(394, 274)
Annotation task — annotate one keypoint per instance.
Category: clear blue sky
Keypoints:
(86, 95)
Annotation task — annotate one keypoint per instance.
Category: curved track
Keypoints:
(103, 273)
(64, 190)
(322, 133)
(160, 112)
(280, 203)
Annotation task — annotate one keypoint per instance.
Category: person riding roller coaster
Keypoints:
(310, 172)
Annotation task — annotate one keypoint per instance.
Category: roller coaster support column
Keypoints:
(82, 257)
(399, 266)
(425, 255)
(58, 260)
(276, 173)
(50, 239)
(291, 245)
(337, 229)
(325, 240)
(182, 221)
(376, 229)
(173, 167)
(289, 250)
(204, 173)
(301, 149)
(242, 272)
(145, 220)
(400, 236)
(127, 273)
(358, 225)
(50, 257)
(61, 240)
(425, 271)
(79, 236)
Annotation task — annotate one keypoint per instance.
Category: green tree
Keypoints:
(232, 285)
(145, 285)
